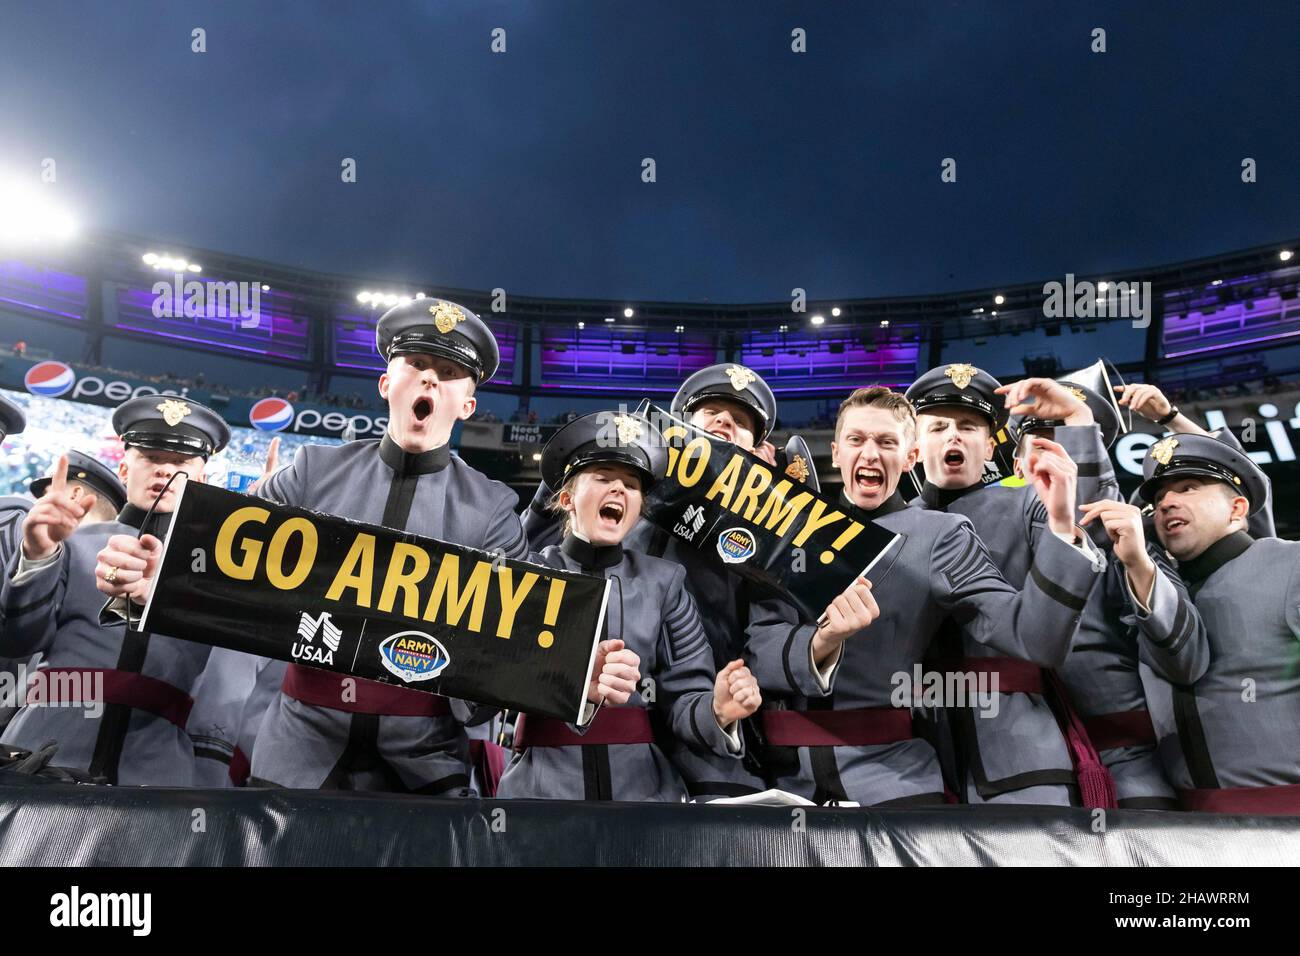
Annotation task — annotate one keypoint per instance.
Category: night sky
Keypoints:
(774, 169)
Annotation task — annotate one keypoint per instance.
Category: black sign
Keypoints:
(389, 606)
(757, 522)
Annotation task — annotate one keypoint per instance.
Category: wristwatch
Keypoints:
(1166, 419)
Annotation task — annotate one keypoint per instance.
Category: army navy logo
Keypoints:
(741, 377)
(961, 374)
(446, 316)
(308, 629)
(629, 429)
(413, 656)
(1163, 450)
(797, 469)
(736, 546)
(173, 411)
(1077, 393)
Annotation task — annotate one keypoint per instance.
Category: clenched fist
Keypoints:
(126, 566)
(617, 671)
(735, 693)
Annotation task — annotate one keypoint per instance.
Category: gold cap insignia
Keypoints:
(629, 429)
(797, 469)
(1163, 450)
(81, 474)
(173, 410)
(446, 316)
(740, 377)
(1078, 393)
(961, 374)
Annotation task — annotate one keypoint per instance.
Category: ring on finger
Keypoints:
(110, 575)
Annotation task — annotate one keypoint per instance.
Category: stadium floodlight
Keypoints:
(581, 326)
(994, 312)
(404, 300)
(784, 328)
(999, 299)
(627, 313)
(1285, 255)
(265, 287)
(195, 267)
(681, 329)
(390, 299)
(979, 311)
(419, 295)
(609, 320)
(26, 215)
(1217, 282)
(884, 323)
(149, 258)
(537, 456)
(363, 297)
(818, 319)
(835, 311)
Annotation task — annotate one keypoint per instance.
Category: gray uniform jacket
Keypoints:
(1239, 724)
(652, 612)
(724, 602)
(12, 512)
(941, 572)
(1018, 755)
(56, 609)
(304, 745)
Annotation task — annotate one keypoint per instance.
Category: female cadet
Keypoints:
(601, 463)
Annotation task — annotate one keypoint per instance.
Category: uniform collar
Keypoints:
(891, 504)
(405, 463)
(592, 556)
(1230, 546)
(134, 517)
(941, 498)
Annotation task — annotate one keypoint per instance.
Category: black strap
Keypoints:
(116, 719)
(1191, 737)
(596, 781)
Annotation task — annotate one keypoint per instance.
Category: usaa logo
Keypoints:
(413, 656)
(736, 545)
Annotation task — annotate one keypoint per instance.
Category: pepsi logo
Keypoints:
(50, 379)
(271, 415)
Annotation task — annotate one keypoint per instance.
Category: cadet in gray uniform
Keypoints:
(850, 678)
(602, 466)
(12, 511)
(1118, 631)
(318, 734)
(135, 683)
(1020, 754)
(1229, 740)
(735, 404)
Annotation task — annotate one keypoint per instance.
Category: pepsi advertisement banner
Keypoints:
(371, 602)
(54, 379)
(757, 522)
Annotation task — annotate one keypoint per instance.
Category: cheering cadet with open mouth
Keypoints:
(601, 464)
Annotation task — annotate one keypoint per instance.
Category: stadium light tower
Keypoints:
(26, 215)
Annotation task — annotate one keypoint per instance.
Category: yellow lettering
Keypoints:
(756, 483)
(447, 589)
(695, 453)
(778, 511)
(511, 599)
(671, 433)
(398, 578)
(243, 571)
(306, 557)
(725, 483)
(816, 521)
(357, 572)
